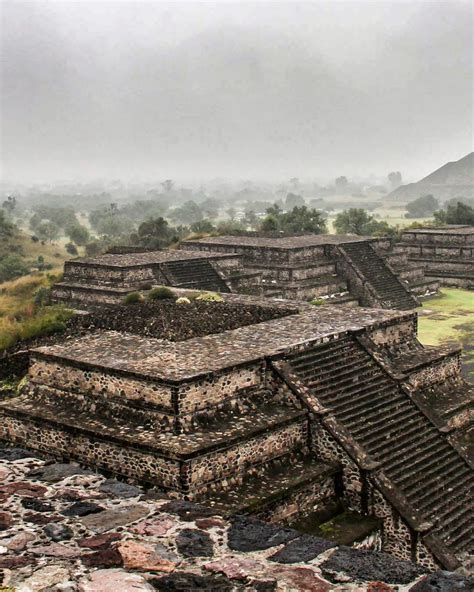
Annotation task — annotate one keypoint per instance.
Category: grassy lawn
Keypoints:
(449, 318)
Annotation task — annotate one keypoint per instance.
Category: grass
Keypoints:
(21, 318)
(449, 319)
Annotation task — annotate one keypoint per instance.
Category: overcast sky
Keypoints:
(246, 90)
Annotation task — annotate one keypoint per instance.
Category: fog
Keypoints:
(240, 90)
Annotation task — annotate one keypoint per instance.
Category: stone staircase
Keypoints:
(388, 288)
(383, 421)
(194, 274)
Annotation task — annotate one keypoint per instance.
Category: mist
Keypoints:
(264, 90)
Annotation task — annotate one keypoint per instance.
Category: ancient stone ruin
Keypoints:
(325, 418)
(446, 253)
(345, 270)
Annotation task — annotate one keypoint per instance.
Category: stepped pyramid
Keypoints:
(453, 179)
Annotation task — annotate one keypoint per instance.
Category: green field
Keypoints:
(449, 319)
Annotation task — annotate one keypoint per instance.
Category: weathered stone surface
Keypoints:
(57, 532)
(55, 550)
(247, 534)
(6, 520)
(181, 582)
(155, 526)
(368, 566)
(20, 541)
(145, 557)
(194, 543)
(110, 519)
(58, 471)
(45, 578)
(13, 454)
(114, 580)
(188, 510)
(442, 581)
(100, 541)
(10, 562)
(32, 503)
(120, 489)
(82, 509)
(42, 518)
(301, 578)
(304, 548)
(235, 567)
(24, 488)
(103, 558)
(206, 523)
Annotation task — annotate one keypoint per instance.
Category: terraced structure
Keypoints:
(316, 417)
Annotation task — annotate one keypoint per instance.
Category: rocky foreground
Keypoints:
(64, 528)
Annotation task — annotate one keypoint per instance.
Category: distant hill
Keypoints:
(453, 179)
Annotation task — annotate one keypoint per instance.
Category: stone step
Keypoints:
(208, 455)
(346, 528)
(365, 410)
(353, 403)
(264, 492)
(358, 366)
(352, 393)
(352, 380)
(426, 463)
(411, 436)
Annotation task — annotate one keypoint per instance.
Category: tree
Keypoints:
(11, 267)
(300, 219)
(6, 227)
(358, 221)
(48, 231)
(188, 213)
(232, 213)
(341, 184)
(460, 213)
(9, 204)
(167, 185)
(422, 207)
(155, 233)
(395, 179)
(210, 207)
(293, 200)
(203, 226)
(78, 234)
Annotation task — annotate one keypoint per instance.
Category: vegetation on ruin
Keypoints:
(317, 301)
(161, 293)
(183, 300)
(449, 318)
(25, 312)
(209, 297)
(133, 298)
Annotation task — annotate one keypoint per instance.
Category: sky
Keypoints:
(248, 90)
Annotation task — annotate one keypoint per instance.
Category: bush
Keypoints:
(210, 297)
(133, 298)
(317, 301)
(71, 249)
(11, 267)
(42, 296)
(161, 293)
(183, 300)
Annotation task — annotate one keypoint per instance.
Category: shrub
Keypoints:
(11, 267)
(50, 319)
(210, 297)
(317, 301)
(183, 300)
(42, 296)
(133, 298)
(161, 293)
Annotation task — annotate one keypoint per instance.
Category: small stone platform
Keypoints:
(446, 253)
